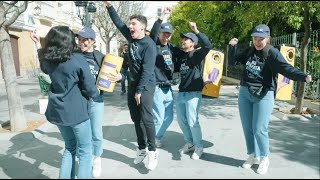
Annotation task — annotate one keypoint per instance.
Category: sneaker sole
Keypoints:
(140, 161)
(185, 152)
(246, 167)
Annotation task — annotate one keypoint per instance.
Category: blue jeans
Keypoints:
(162, 109)
(188, 107)
(96, 112)
(125, 74)
(255, 114)
(76, 137)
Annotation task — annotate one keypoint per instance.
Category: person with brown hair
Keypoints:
(142, 59)
(256, 94)
(69, 95)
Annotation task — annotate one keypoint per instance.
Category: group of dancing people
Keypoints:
(75, 103)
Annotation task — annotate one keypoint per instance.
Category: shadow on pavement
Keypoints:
(32, 155)
(123, 135)
(216, 107)
(121, 157)
(222, 159)
(297, 140)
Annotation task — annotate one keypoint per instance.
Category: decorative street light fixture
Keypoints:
(37, 10)
(85, 11)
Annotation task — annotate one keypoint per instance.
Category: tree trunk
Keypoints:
(108, 45)
(16, 114)
(304, 52)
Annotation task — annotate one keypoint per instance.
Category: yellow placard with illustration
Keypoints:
(212, 73)
(110, 64)
(285, 85)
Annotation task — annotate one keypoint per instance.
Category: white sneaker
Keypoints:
(158, 143)
(186, 148)
(249, 162)
(153, 160)
(96, 167)
(197, 153)
(141, 154)
(264, 165)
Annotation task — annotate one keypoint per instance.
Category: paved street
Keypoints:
(294, 143)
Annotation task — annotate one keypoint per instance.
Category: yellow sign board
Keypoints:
(212, 73)
(110, 64)
(285, 85)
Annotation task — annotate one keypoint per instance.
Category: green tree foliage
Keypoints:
(222, 20)
(193, 11)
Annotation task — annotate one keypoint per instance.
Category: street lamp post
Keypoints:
(85, 11)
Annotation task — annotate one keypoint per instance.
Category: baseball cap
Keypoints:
(191, 36)
(87, 32)
(261, 30)
(166, 27)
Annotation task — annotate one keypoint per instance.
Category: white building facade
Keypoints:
(41, 16)
(153, 9)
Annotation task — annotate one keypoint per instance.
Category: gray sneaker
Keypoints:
(197, 153)
(250, 161)
(186, 148)
(158, 143)
(141, 154)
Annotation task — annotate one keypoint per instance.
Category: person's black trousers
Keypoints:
(142, 116)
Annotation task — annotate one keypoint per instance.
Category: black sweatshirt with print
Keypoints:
(165, 61)
(142, 54)
(189, 65)
(257, 71)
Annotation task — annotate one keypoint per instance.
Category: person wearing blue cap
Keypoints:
(143, 52)
(162, 107)
(258, 86)
(86, 41)
(69, 94)
(189, 63)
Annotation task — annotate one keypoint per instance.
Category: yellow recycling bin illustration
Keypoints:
(285, 85)
(212, 73)
(110, 64)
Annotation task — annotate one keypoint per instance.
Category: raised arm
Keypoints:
(279, 65)
(206, 44)
(117, 21)
(157, 24)
(233, 57)
(155, 29)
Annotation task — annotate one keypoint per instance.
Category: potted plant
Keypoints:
(44, 82)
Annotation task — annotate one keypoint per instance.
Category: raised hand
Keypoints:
(107, 3)
(308, 79)
(233, 41)
(167, 10)
(35, 38)
(193, 27)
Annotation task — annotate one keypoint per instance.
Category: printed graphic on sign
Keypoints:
(212, 73)
(213, 76)
(104, 83)
(111, 64)
(285, 85)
